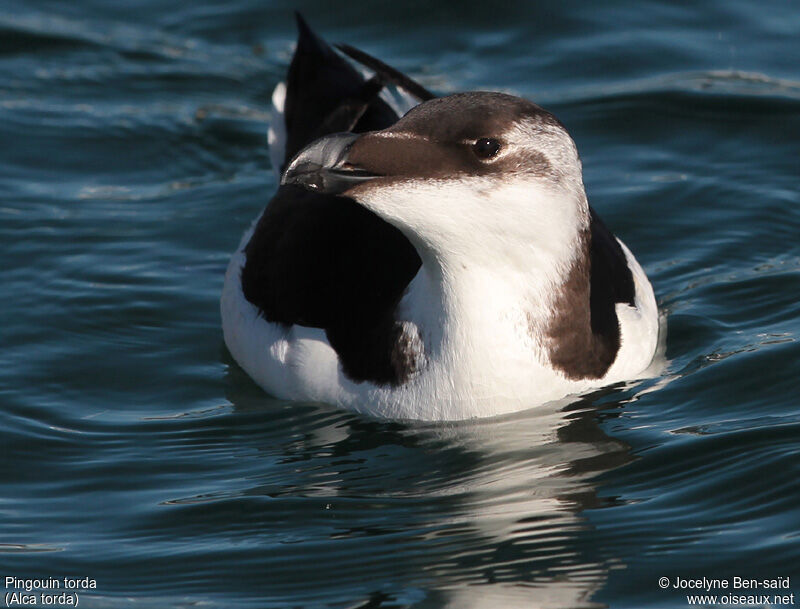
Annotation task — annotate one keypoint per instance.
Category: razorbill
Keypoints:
(439, 266)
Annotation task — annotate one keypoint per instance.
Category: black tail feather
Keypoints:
(389, 74)
(325, 94)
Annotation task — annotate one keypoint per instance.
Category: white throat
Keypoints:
(482, 306)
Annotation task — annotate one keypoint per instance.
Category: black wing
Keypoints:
(610, 280)
(324, 261)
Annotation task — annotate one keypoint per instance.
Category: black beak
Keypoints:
(322, 166)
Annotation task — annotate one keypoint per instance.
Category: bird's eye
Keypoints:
(486, 147)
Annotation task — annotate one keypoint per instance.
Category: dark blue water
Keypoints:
(136, 453)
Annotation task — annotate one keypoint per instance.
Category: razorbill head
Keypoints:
(472, 180)
(442, 265)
